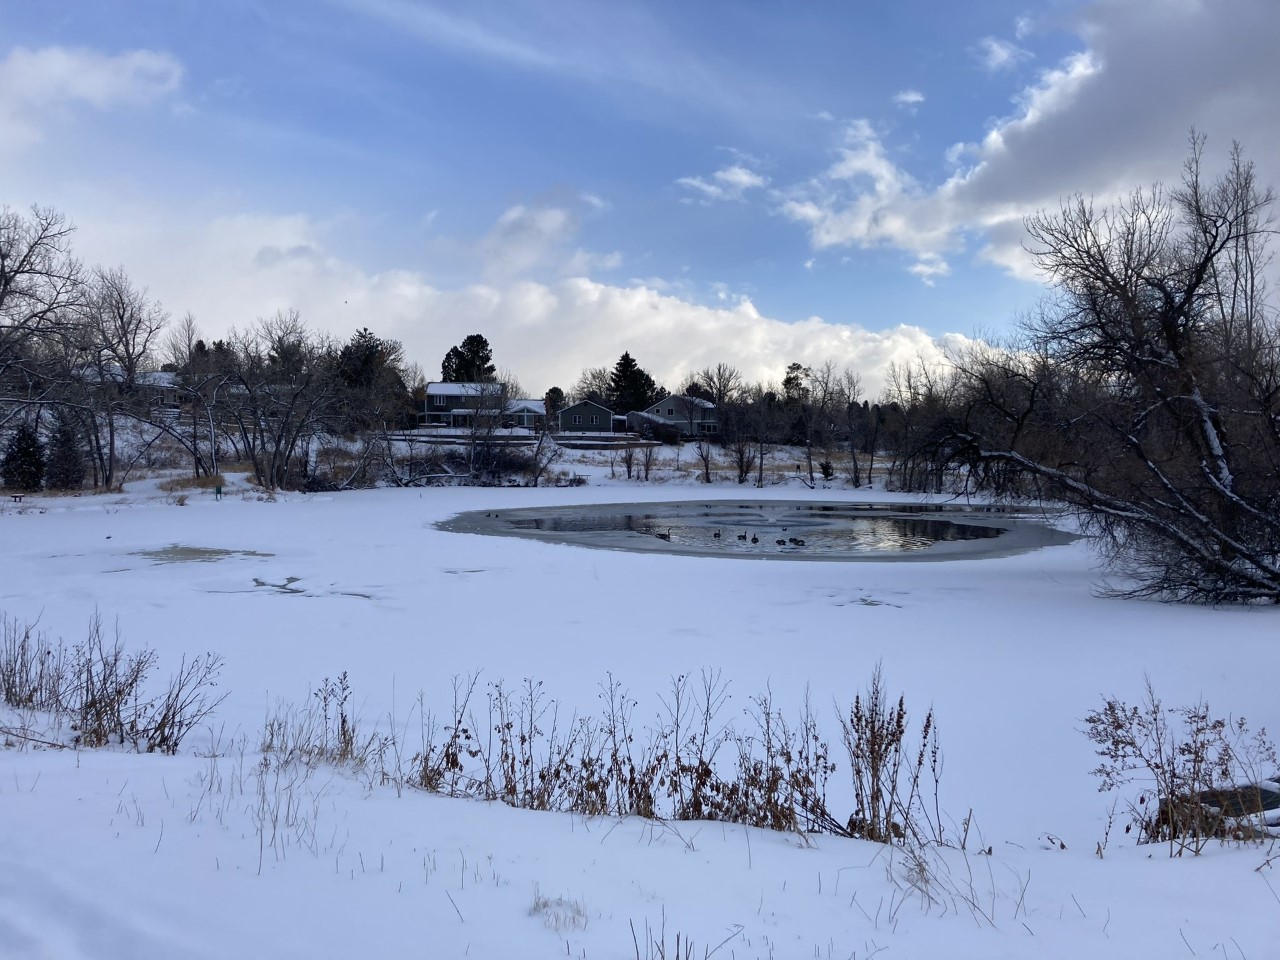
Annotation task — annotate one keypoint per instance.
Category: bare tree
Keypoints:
(41, 290)
(723, 382)
(545, 453)
(1155, 370)
(705, 452)
(593, 384)
(105, 351)
(282, 390)
(648, 457)
(847, 398)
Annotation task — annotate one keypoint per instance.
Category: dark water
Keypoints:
(758, 528)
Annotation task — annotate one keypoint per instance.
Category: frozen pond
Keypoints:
(788, 530)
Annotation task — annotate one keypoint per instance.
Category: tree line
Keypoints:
(87, 356)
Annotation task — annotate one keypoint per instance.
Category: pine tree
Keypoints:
(630, 387)
(470, 362)
(23, 461)
(65, 468)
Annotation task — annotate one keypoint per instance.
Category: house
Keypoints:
(692, 416)
(586, 416)
(160, 388)
(528, 413)
(454, 405)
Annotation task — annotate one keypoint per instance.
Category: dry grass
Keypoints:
(515, 745)
(175, 484)
(101, 689)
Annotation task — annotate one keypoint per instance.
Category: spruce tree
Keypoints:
(65, 468)
(630, 387)
(23, 461)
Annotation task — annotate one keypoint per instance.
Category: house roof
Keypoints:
(526, 406)
(441, 389)
(587, 403)
(158, 379)
(684, 400)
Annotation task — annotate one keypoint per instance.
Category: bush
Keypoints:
(23, 461)
(99, 688)
(1198, 773)
(888, 782)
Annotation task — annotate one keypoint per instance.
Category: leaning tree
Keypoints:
(1147, 391)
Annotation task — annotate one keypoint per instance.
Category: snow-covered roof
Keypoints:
(684, 400)
(158, 379)
(441, 389)
(526, 406)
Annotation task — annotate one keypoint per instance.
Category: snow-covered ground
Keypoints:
(104, 854)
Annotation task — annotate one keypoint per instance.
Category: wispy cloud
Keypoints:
(35, 82)
(909, 99)
(622, 48)
(729, 183)
(996, 55)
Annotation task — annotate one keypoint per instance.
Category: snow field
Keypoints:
(106, 854)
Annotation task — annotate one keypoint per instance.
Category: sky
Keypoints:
(740, 182)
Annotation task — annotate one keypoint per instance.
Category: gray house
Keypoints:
(586, 416)
(692, 416)
(453, 406)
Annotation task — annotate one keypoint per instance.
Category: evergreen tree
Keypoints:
(631, 388)
(23, 461)
(469, 362)
(554, 402)
(65, 469)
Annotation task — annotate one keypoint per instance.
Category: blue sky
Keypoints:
(750, 182)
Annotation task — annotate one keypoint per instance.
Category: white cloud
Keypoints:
(995, 54)
(729, 183)
(583, 263)
(36, 83)
(866, 200)
(909, 99)
(928, 267)
(545, 332)
(1103, 120)
(525, 239)
(536, 240)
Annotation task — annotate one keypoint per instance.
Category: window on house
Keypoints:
(439, 401)
(671, 411)
(577, 420)
(595, 421)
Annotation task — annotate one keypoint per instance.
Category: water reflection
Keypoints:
(759, 528)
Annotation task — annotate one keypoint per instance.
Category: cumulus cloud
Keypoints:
(34, 83)
(908, 99)
(524, 239)
(538, 239)
(729, 183)
(546, 332)
(1102, 120)
(866, 200)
